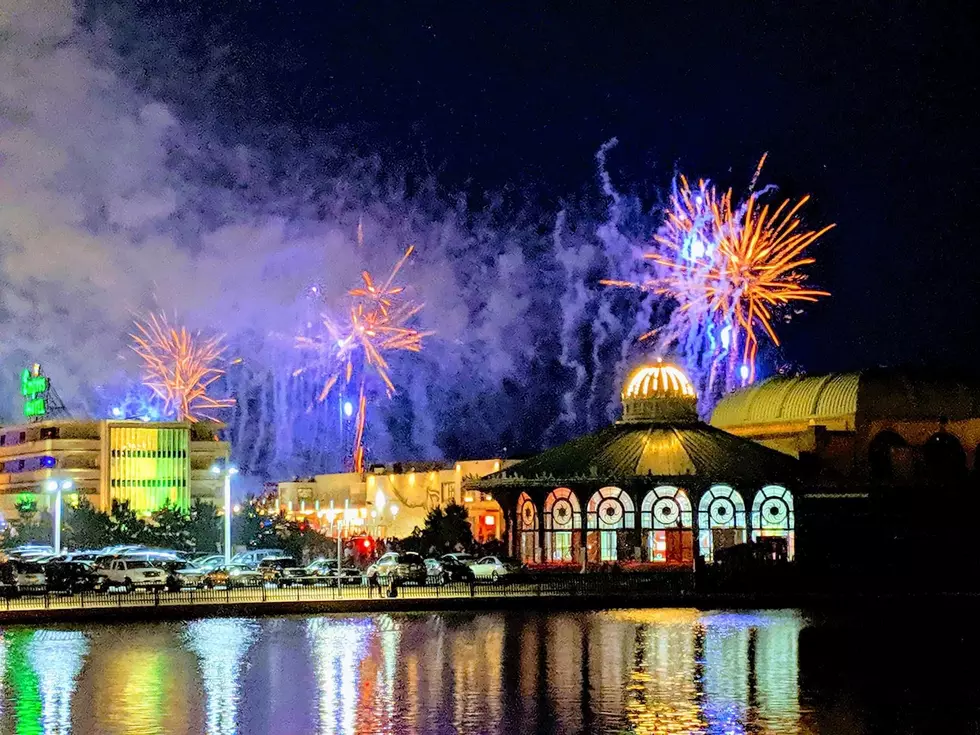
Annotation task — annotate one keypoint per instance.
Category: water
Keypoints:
(642, 671)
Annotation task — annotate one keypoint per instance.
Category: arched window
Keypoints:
(881, 455)
(527, 528)
(773, 515)
(721, 520)
(610, 517)
(667, 523)
(562, 517)
(944, 457)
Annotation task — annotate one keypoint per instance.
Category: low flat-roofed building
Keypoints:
(391, 500)
(146, 464)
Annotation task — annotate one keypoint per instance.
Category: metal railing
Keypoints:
(566, 585)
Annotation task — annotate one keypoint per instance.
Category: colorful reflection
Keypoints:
(338, 647)
(221, 645)
(41, 669)
(640, 671)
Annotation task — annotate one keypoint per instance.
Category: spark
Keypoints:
(179, 367)
(731, 270)
(378, 317)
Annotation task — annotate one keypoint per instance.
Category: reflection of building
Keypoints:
(146, 464)
(647, 486)
(393, 500)
(880, 426)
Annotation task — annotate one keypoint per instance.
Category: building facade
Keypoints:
(876, 427)
(658, 486)
(392, 500)
(146, 464)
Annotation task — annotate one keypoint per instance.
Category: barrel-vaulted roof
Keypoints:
(777, 400)
(848, 398)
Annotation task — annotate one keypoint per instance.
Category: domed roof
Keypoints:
(658, 439)
(652, 452)
(659, 392)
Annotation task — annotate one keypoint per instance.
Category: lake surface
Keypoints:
(642, 671)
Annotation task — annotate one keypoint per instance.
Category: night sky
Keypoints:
(867, 106)
(216, 161)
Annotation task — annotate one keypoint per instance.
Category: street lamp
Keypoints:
(227, 471)
(58, 487)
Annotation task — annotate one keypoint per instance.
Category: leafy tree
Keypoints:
(445, 528)
(204, 527)
(125, 526)
(84, 527)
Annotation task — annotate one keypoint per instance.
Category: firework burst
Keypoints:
(377, 323)
(179, 367)
(731, 270)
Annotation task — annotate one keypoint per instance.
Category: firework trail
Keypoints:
(731, 269)
(376, 323)
(179, 367)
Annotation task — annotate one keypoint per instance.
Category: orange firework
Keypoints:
(179, 367)
(729, 269)
(377, 323)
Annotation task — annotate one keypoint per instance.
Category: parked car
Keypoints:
(27, 550)
(398, 566)
(325, 571)
(208, 561)
(282, 570)
(462, 558)
(252, 558)
(494, 568)
(233, 575)
(190, 575)
(433, 571)
(132, 573)
(71, 576)
(20, 577)
(455, 571)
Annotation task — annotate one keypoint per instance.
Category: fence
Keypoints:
(568, 586)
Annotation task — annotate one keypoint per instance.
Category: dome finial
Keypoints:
(658, 391)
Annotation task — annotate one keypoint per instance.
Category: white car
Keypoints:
(132, 574)
(18, 576)
(494, 568)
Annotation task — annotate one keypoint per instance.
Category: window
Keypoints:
(562, 517)
(610, 517)
(527, 528)
(721, 520)
(667, 521)
(448, 492)
(773, 515)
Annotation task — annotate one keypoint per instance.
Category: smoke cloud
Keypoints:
(111, 205)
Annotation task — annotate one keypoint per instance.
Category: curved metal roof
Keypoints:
(882, 393)
(791, 399)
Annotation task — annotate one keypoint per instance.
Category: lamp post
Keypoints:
(58, 487)
(226, 470)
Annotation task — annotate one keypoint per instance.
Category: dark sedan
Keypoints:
(71, 577)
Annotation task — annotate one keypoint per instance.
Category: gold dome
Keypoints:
(659, 392)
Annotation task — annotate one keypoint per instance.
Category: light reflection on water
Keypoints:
(638, 671)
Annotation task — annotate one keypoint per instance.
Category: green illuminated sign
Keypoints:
(34, 388)
(31, 384)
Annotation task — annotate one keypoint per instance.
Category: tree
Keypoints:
(445, 528)
(169, 529)
(204, 527)
(125, 526)
(30, 527)
(84, 527)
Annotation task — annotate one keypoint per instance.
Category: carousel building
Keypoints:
(656, 486)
